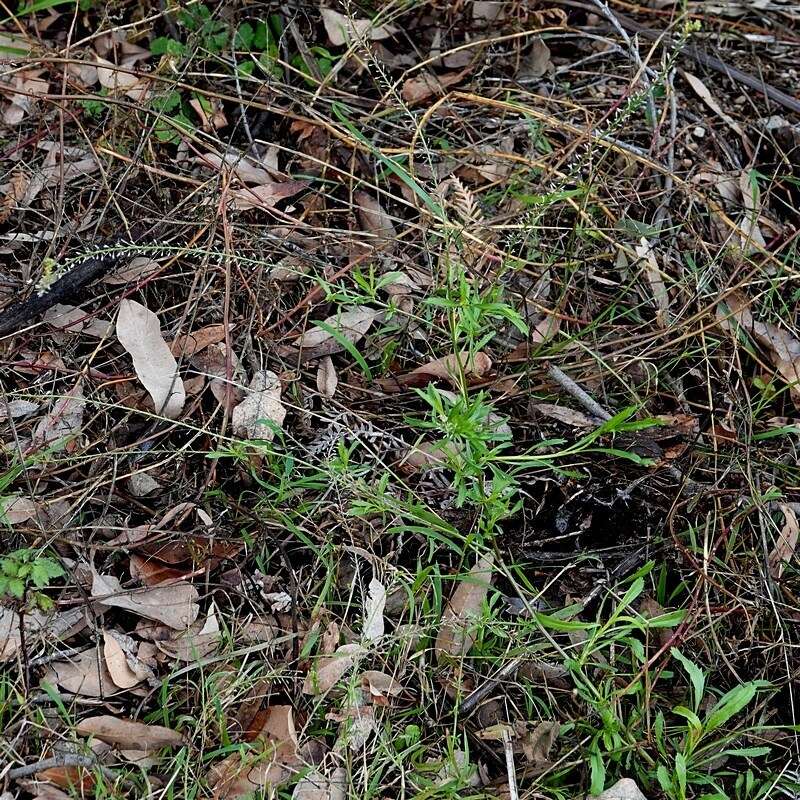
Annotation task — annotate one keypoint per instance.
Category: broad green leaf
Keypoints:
(730, 704)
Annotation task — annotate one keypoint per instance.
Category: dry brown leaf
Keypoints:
(79, 778)
(139, 332)
(16, 510)
(242, 166)
(63, 421)
(234, 778)
(358, 724)
(313, 786)
(261, 406)
(449, 367)
(198, 641)
(373, 626)
(624, 789)
(85, 673)
(342, 30)
(380, 686)
(54, 625)
(176, 605)
(65, 317)
(136, 270)
(129, 734)
(212, 362)
(351, 325)
(484, 11)
(212, 121)
(429, 455)
(151, 572)
(115, 78)
(265, 195)
(198, 340)
(536, 744)
(783, 348)
(702, 91)
(328, 671)
(327, 379)
(656, 280)
(457, 632)
(117, 663)
(141, 484)
(17, 408)
(537, 62)
(569, 416)
(786, 546)
(373, 218)
(426, 85)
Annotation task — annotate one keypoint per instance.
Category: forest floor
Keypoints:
(425, 421)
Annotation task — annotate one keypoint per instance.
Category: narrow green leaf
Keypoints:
(695, 676)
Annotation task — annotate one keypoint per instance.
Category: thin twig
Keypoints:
(65, 760)
(569, 385)
(513, 791)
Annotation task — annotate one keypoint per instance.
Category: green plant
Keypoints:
(24, 572)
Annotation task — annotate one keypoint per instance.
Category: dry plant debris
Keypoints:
(399, 400)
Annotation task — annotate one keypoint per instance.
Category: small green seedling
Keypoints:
(23, 572)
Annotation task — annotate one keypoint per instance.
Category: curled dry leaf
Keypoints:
(244, 168)
(329, 670)
(702, 91)
(176, 605)
(569, 416)
(447, 368)
(783, 348)
(426, 85)
(196, 642)
(373, 627)
(327, 379)
(16, 510)
(380, 686)
(129, 734)
(373, 218)
(350, 325)
(17, 408)
(198, 340)
(234, 777)
(139, 332)
(117, 663)
(786, 545)
(84, 673)
(656, 280)
(63, 421)
(265, 195)
(624, 789)
(457, 631)
(342, 29)
(313, 786)
(537, 62)
(260, 407)
(536, 744)
(137, 269)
